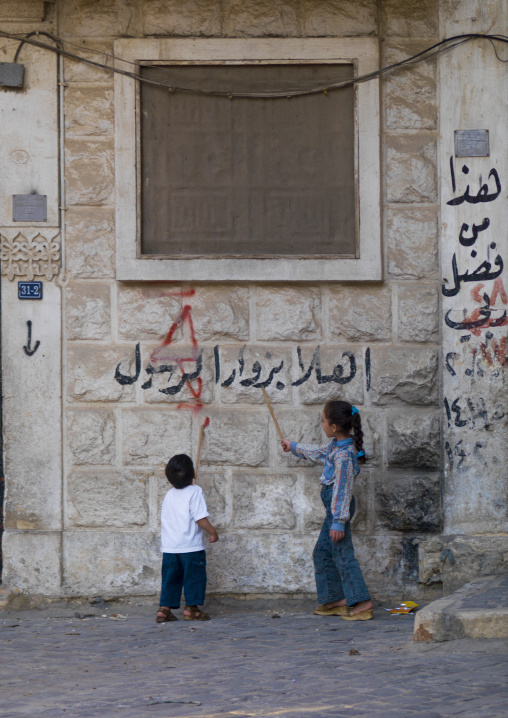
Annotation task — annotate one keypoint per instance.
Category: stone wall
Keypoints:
(118, 423)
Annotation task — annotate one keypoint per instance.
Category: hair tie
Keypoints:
(354, 411)
(360, 453)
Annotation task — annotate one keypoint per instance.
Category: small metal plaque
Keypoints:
(29, 290)
(472, 143)
(29, 208)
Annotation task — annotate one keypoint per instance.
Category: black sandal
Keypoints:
(168, 616)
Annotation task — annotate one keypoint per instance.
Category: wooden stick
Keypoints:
(200, 441)
(271, 412)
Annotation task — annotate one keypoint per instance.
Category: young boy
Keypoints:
(183, 523)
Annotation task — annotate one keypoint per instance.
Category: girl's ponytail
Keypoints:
(358, 437)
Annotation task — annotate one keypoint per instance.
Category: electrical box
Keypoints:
(11, 74)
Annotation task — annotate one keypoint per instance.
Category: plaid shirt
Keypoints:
(340, 469)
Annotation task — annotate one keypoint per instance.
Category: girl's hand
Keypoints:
(336, 536)
(286, 445)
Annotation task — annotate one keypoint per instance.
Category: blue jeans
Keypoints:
(187, 571)
(338, 573)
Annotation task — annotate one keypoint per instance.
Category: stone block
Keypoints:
(220, 313)
(300, 425)
(389, 564)
(409, 502)
(418, 313)
(408, 376)
(101, 51)
(361, 314)
(167, 375)
(88, 311)
(91, 372)
(420, 18)
(288, 314)
(410, 97)
(414, 440)
(31, 561)
(99, 18)
(151, 437)
(264, 502)
(372, 428)
(98, 563)
(412, 247)
(89, 111)
(90, 241)
(339, 18)
(411, 168)
(242, 369)
(195, 18)
(91, 436)
(105, 498)
(234, 564)
(258, 18)
(148, 312)
(238, 438)
(337, 374)
(89, 172)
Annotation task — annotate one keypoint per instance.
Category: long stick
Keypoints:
(271, 412)
(200, 441)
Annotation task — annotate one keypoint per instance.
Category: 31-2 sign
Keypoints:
(29, 290)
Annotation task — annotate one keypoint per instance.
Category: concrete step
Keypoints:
(477, 610)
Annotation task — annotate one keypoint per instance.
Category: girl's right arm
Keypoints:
(313, 452)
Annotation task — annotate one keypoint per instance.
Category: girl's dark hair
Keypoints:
(180, 471)
(341, 414)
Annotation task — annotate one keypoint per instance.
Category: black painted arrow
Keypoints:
(28, 347)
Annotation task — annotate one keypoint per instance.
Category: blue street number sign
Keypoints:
(29, 290)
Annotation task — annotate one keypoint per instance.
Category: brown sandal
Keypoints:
(168, 616)
(195, 614)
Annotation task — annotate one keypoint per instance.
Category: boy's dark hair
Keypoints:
(341, 414)
(180, 471)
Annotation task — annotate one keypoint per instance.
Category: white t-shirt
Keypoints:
(181, 509)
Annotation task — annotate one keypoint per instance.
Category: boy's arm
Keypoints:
(207, 526)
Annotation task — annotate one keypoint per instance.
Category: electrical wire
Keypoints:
(443, 46)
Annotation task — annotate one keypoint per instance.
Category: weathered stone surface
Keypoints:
(264, 502)
(111, 562)
(106, 499)
(32, 561)
(152, 437)
(348, 383)
(339, 18)
(372, 428)
(409, 502)
(89, 172)
(361, 314)
(88, 311)
(301, 425)
(416, 19)
(234, 563)
(99, 18)
(148, 312)
(162, 377)
(404, 375)
(255, 18)
(91, 436)
(220, 313)
(412, 242)
(389, 564)
(411, 168)
(288, 314)
(414, 440)
(90, 241)
(102, 52)
(410, 96)
(173, 17)
(418, 313)
(245, 367)
(236, 437)
(91, 373)
(89, 111)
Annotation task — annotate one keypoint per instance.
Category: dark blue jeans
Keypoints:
(187, 571)
(338, 573)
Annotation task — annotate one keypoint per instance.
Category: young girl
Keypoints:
(340, 584)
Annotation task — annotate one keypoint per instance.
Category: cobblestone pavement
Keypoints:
(120, 663)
